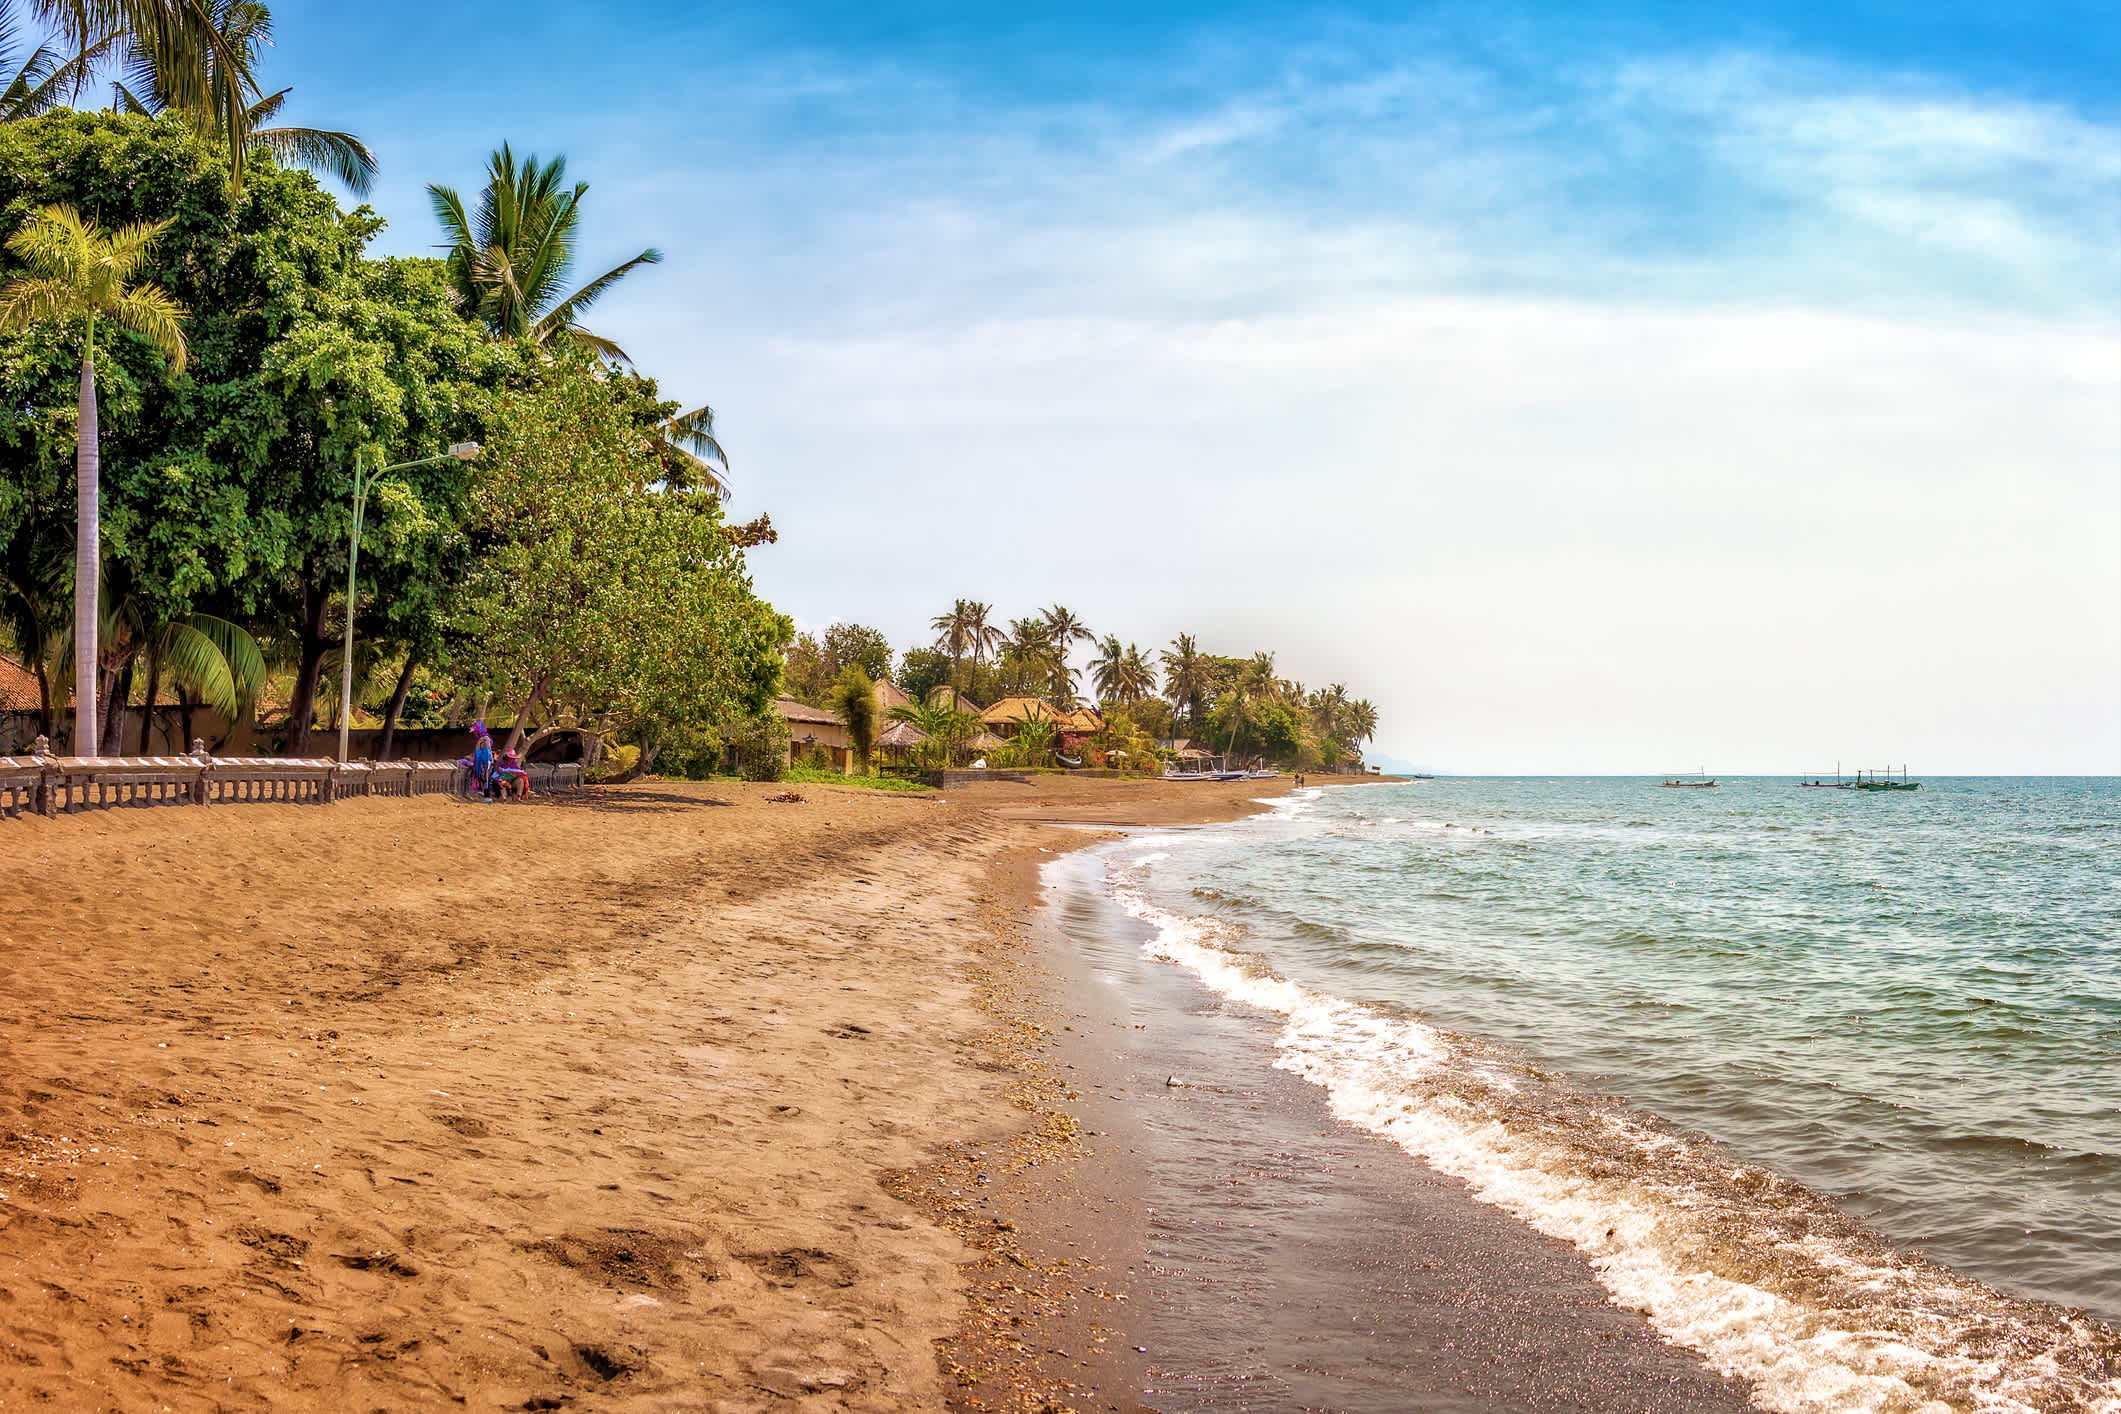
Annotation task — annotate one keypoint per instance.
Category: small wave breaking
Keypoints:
(1763, 1277)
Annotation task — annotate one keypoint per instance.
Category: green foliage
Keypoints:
(227, 490)
(759, 742)
(945, 725)
(856, 645)
(854, 698)
(509, 261)
(1031, 746)
(593, 587)
(814, 663)
(828, 776)
(921, 671)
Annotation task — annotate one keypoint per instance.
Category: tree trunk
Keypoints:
(47, 714)
(651, 748)
(315, 606)
(397, 705)
(530, 705)
(147, 719)
(121, 690)
(88, 546)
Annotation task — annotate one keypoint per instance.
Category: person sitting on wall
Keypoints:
(511, 778)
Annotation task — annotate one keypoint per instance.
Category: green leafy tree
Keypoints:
(509, 265)
(79, 275)
(857, 645)
(594, 587)
(923, 670)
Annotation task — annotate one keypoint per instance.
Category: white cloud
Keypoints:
(1722, 412)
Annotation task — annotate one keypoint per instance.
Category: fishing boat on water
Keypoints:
(1699, 781)
(1884, 779)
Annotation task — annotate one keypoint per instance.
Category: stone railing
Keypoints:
(43, 784)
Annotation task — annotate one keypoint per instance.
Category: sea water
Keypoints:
(1826, 1083)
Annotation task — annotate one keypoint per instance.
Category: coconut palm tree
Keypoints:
(45, 77)
(199, 57)
(691, 436)
(1066, 629)
(508, 266)
(1189, 679)
(1361, 721)
(965, 630)
(79, 273)
(1140, 675)
(1122, 675)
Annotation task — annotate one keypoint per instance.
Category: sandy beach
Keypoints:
(596, 1104)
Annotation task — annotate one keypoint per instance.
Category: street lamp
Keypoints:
(459, 451)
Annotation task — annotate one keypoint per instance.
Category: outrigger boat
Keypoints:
(1704, 781)
(1883, 780)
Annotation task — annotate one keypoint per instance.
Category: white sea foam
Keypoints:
(1850, 1330)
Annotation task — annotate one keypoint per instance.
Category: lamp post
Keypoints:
(460, 451)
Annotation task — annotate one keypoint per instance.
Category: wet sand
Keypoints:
(668, 1098)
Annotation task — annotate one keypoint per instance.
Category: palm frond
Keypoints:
(150, 313)
(192, 659)
(30, 301)
(126, 101)
(125, 249)
(53, 243)
(341, 154)
(563, 314)
(245, 658)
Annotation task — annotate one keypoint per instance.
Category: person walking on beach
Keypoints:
(482, 762)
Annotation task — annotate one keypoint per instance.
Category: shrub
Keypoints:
(760, 745)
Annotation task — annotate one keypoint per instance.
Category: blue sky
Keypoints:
(1625, 387)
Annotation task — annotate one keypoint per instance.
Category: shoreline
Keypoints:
(1162, 1292)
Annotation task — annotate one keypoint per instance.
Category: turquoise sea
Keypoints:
(1828, 1083)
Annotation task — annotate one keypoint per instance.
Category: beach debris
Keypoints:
(786, 797)
(1175, 1083)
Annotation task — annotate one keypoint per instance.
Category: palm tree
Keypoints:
(1066, 629)
(79, 272)
(965, 630)
(217, 56)
(45, 78)
(941, 720)
(508, 267)
(1189, 678)
(1106, 667)
(1361, 721)
(1140, 678)
(690, 435)
(1122, 675)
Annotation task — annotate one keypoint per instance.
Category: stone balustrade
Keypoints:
(43, 784)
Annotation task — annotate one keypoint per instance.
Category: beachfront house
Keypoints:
(811, 728)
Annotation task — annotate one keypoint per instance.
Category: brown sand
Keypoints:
(407, 1104)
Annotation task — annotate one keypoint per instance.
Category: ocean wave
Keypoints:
(1765, 1278)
